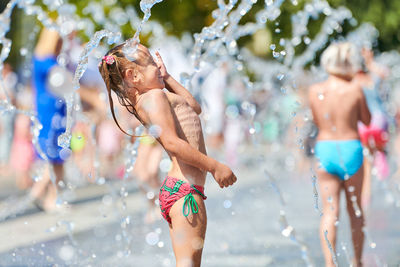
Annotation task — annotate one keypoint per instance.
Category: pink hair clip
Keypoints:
(109, 59)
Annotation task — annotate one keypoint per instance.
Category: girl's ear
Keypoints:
(132, 77)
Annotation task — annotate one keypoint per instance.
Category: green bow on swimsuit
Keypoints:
(191, 204)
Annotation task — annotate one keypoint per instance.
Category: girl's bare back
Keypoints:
(337, 106)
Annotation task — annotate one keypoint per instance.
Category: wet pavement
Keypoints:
(243, 229)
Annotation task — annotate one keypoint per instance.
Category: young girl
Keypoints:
(138, 86)
(337, 105)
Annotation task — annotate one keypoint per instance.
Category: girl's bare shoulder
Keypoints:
(150, 96)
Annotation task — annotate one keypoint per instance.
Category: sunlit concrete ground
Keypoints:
(243, 226)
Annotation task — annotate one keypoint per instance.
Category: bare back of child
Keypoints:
(337, 106)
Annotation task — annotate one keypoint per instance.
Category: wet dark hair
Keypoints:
(112, 75)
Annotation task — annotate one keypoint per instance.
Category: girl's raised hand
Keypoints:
(161, 66)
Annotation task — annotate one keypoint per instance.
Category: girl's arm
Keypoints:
(311, 96)
(157, 111)
(365, 115)
(47, 43)
(174, 87)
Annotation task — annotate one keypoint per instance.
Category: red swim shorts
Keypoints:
(174, 189)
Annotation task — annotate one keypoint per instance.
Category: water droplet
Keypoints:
(287, 231)
(167, 262)
(165, 165)
(152, 238)
(66, 252)
(232, 111)
(101, 181)
(150, 195)
(107, 200)
(64, 140)
(118, 237)
(23, 51)
(155, 131)
(227, 204)
(65, 153)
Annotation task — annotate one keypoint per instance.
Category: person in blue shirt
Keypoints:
(51, 113)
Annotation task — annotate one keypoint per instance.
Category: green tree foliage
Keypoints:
(384, 14)
(178, 16)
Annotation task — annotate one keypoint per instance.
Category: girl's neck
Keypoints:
(340, 78)
(134, 97)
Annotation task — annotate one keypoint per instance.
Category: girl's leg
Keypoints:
(329, 187)
(357, 222)
(39, 188)
(49, 202)
(188, 233)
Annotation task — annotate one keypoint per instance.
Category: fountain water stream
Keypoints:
(210, 45)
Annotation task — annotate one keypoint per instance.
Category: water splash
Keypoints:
(286, 229)
(64, 139)
(315, 193)
(372, 245)
(131, 44)
(333, 253)
(356, 208)
(346, 253)
(275, 187)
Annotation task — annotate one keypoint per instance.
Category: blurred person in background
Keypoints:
(146, 170)
(374, 136)
(7, 118)
(337, 104)
(51, 112)
(213, 90)
(22, 151)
